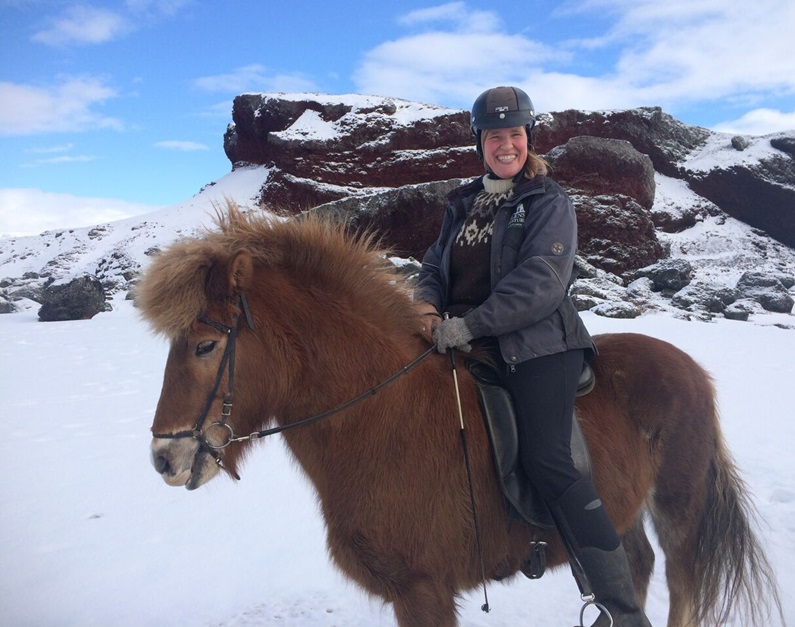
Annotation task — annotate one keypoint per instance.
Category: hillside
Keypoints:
(644, 186)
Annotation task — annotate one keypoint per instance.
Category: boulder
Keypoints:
(617, 310)
(669, 275)
(79, 299)
(767, 290)
(741, 310)
(700, 296)
(615, 233)
(612, 188)
(604, 167)
(408, 218)
(6, 306)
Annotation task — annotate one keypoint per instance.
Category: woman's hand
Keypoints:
(429, 318)
(452, 333)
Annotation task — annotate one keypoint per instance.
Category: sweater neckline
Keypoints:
(497, 186)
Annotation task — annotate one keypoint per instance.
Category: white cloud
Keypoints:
(68, 106)
(184, 146)
(462, 65)
(25, 211)
(759, 122)
(675, 54)
(83, 25)
(455, 13)
(254, 77)
(157, 7)
(61, 159)
(48, 150)
(684, 51)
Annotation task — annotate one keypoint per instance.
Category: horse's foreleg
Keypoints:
(426, 603)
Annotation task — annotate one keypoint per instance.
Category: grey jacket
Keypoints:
(529, 309)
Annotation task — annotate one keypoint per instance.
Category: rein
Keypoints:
(228, 364)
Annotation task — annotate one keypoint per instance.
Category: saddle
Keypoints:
(500, 418)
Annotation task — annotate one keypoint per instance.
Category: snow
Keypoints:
(407, 111)
(718, 152)
(70, 252)
(719, 247)
(94, 537)
(310, 126)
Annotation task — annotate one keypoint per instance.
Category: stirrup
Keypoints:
(589, 599)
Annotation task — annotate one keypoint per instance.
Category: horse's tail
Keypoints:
(731, 572)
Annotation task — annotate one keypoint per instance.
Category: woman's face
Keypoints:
(505, 150)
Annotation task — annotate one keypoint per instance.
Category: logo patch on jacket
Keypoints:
(558, 248)
(517, 218)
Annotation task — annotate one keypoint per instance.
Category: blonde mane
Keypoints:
(314, 252)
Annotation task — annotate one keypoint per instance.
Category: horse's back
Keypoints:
(652, 407)
(651, 378)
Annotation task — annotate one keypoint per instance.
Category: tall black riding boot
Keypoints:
(611, 583)
(598, 559)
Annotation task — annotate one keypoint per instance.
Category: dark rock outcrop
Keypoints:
(387, 164)
(80, 299)
(669, 275)
(664, 139)
(411, 216)
(760, 194)
(603, 166)
(768, 290)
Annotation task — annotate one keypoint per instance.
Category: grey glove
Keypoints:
(452, 333)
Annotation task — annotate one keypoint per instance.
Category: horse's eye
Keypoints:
(205, 348)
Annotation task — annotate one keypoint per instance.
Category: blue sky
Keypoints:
(109, 109)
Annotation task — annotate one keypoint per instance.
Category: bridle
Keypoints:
(198, 432)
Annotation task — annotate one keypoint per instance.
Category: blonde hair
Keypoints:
(535, 165)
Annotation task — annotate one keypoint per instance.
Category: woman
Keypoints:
(501, 267)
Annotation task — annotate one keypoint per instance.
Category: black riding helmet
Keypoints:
(501, 107)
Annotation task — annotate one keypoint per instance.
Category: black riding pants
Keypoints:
(543, 391)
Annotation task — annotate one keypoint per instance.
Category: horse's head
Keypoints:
(320, 299)
(195, 294)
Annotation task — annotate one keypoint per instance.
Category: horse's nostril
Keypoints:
(162, 465)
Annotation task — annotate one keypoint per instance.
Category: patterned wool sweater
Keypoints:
(470, 257)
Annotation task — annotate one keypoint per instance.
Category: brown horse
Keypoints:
(308, 317)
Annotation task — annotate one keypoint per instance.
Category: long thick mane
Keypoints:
(317, 253)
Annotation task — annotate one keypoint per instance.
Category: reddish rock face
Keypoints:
(604, 166)
(388, 164)
(332, 146)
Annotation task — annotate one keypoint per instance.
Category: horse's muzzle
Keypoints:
(183, 462)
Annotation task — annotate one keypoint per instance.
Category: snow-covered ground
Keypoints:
(92, 536)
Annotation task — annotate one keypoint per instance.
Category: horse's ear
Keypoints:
(241, 267)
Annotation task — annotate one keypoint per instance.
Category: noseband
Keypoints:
(198, 432)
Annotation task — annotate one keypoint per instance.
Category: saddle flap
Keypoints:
(496, 405)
